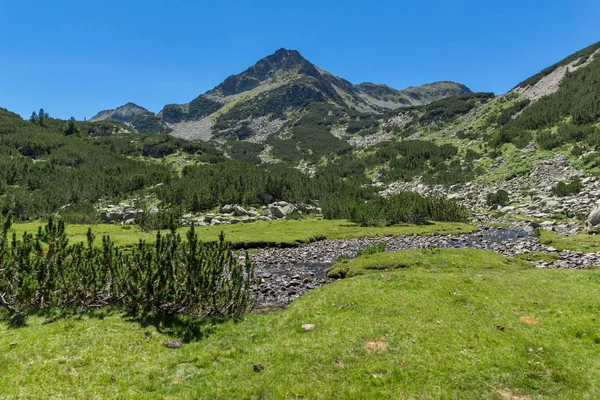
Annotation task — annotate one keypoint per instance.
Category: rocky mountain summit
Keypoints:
(134, 116)
(272, 95)
(389, 98)
(125, 113)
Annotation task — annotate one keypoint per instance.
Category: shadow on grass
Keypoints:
(19, 319)
(14, 321)
(185, 328)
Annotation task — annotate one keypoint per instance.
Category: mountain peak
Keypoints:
(123, 113)
(132, 105)
(390, 98)
(286, 52)
(282, 62)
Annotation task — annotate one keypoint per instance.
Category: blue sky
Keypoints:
(74, 58)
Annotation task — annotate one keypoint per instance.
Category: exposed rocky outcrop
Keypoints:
(235, 214)
(125, 113)
(126, 213)
(530, 195)
(262, 100)
(550, 81)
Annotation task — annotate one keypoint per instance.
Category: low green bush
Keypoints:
(566, 188)
(172, 276)
(372, 249)
(407, 208)
(500, 198)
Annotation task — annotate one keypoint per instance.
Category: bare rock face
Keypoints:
(551, 82)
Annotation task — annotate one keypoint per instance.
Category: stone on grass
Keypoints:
(227, 209)
(593, 219)
(239, 211)
(276, 211)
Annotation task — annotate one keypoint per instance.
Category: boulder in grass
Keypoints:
(276, 211)
(227, 209)
(239, 211)
(593, 219)
(130, 215)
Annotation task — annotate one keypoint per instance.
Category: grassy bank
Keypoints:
(438, 259)
(485, 328)
(258, 234)
(581, 242)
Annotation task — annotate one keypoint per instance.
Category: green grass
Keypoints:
(259, 234)
(582, 242)
(495, 330)
(429, 257)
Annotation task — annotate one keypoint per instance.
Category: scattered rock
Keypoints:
(276, 211)
(593, 219)
(239, 211)
(288, 273)
(130, 215)
(308, 327)
(227, 209)
(172, 344)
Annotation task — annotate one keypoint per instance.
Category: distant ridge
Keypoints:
(280, 87)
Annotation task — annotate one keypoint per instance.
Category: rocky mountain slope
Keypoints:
(135, 116)
(531, 143)
(437, 138)
(271, 96)
(124, 113)
(530, 154)
(388, 98)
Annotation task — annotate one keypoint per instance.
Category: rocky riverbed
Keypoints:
(286, 274)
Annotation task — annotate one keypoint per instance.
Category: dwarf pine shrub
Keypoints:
(500, 198)
(171, 275)
(564, 188)
(407, 208)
